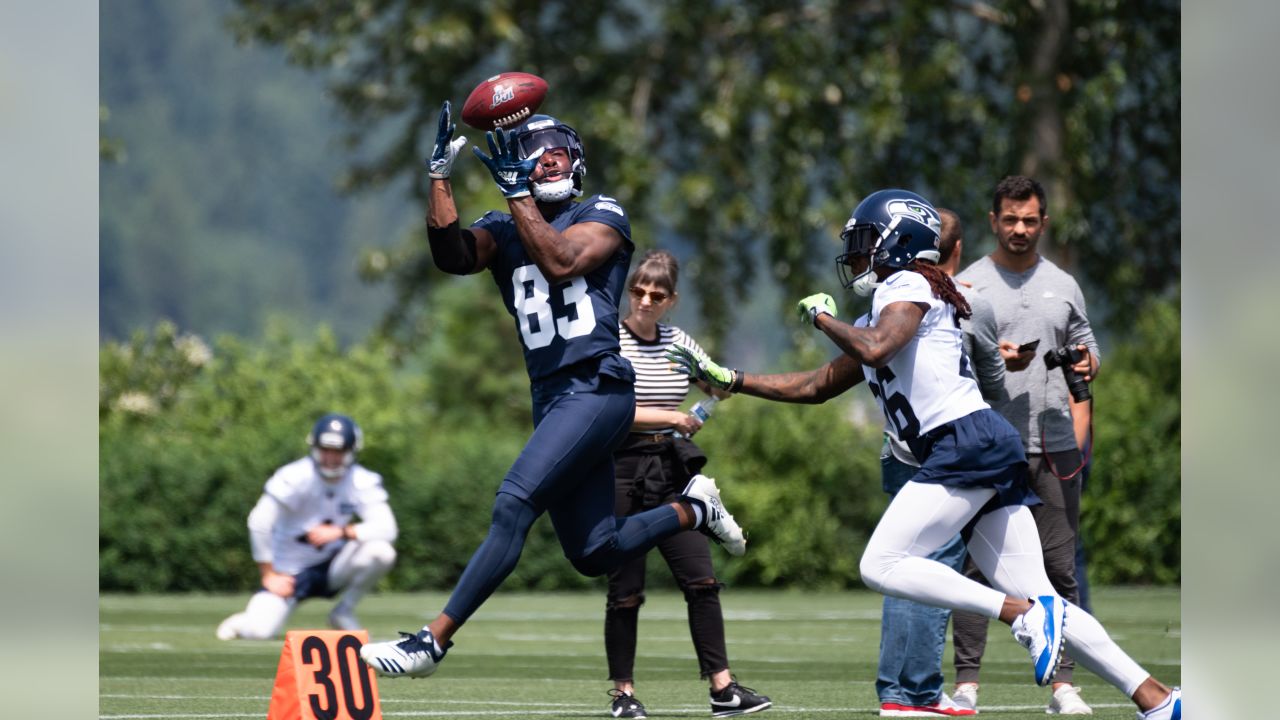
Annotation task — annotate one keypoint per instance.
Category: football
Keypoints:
(504, 100)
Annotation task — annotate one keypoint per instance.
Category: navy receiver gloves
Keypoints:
(508, 170)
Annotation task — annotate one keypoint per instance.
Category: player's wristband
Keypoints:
(736, 384)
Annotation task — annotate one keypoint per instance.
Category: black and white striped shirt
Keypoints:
(657, 384)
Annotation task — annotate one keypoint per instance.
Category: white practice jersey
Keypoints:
(306, 500)
(929, 382)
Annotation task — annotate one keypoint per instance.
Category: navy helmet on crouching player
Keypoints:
(546, 132)
(891, 227)
(335, 432)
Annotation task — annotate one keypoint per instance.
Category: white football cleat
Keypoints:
(411, 656)
(1066, 700)
(1039, 630)
(228, 629)
(1170, 709)
(717, 523)
(966, 695)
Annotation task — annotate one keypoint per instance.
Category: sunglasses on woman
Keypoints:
(655, 296)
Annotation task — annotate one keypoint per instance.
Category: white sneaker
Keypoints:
(343, 619)
(1066, 700)
(717, 523)
(1039, 630)
(410, 656)
(966, 695)
(1170, 709)
(227, 628)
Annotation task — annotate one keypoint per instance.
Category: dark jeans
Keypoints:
(649, 477)
(1058, 521)
(912, 635)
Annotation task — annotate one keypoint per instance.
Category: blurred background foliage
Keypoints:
(261, 178)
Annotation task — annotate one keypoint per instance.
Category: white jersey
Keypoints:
(307, 500)
(929, 382)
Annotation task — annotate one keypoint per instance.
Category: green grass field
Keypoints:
(542, 655)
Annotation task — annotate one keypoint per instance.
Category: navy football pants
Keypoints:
(565, 469)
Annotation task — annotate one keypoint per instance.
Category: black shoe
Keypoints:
(737, 700)
(626, 706)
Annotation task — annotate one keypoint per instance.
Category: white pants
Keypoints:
(1005, 545)
(354, 571)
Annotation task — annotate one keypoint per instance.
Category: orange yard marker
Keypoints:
(321, 677)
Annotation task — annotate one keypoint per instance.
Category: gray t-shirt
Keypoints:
(982, 348)
(1044, 303)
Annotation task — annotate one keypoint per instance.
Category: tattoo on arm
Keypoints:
(812, 387)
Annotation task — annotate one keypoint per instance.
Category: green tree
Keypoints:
(749, 129)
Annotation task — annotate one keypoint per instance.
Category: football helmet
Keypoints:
(892, 228)
(335, 432)
(544, 131)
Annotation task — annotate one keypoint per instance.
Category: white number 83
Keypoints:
(532, 299)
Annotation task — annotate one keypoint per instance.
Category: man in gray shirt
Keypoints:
(1034, 301)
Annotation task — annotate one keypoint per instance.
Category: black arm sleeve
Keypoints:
(453, 250)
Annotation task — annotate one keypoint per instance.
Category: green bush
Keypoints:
(188, 435)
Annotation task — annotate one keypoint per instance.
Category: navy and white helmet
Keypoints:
(335, 432)
(544, 131)
(893, 228)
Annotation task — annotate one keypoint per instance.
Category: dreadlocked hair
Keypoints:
(943, 288)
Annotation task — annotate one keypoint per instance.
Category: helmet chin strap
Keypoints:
(866, 283)
(556, 191)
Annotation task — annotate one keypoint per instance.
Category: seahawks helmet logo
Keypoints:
(919, 212)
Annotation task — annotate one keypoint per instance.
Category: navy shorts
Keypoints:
(312, 582)
(979, 450)
(566, 468)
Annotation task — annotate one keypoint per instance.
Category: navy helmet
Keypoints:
(335, 432)
(891, 227)
(544, 131)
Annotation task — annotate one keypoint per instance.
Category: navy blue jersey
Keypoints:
(563, 324)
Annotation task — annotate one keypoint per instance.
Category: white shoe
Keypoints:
(410, 656)
(227, 629)
(966, 695)
(717, 523)
(1066, 700)
(1039, 630)
(344, 619)
(1170, 709)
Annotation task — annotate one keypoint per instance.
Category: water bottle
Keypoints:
(704, 407)
(701, 410)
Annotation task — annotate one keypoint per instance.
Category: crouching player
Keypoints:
(304, 540)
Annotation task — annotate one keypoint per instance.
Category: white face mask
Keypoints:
(553, 191)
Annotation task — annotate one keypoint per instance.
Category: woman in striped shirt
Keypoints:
(651, 468)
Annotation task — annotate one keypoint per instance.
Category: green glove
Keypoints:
(815, 305)
(698, 366)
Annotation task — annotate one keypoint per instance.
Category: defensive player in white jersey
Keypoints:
(305, 541)
(972, 465)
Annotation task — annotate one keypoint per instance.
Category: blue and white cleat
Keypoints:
(412, 655)
(717, 523)
(1039, 630)
(1170, 709)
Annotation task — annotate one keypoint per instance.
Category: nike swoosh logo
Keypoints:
(737, 700)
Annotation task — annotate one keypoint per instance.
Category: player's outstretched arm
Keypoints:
(875, 346)
(813, 387)
(454, 250)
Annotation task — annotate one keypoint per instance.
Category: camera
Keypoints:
(1064, 357)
